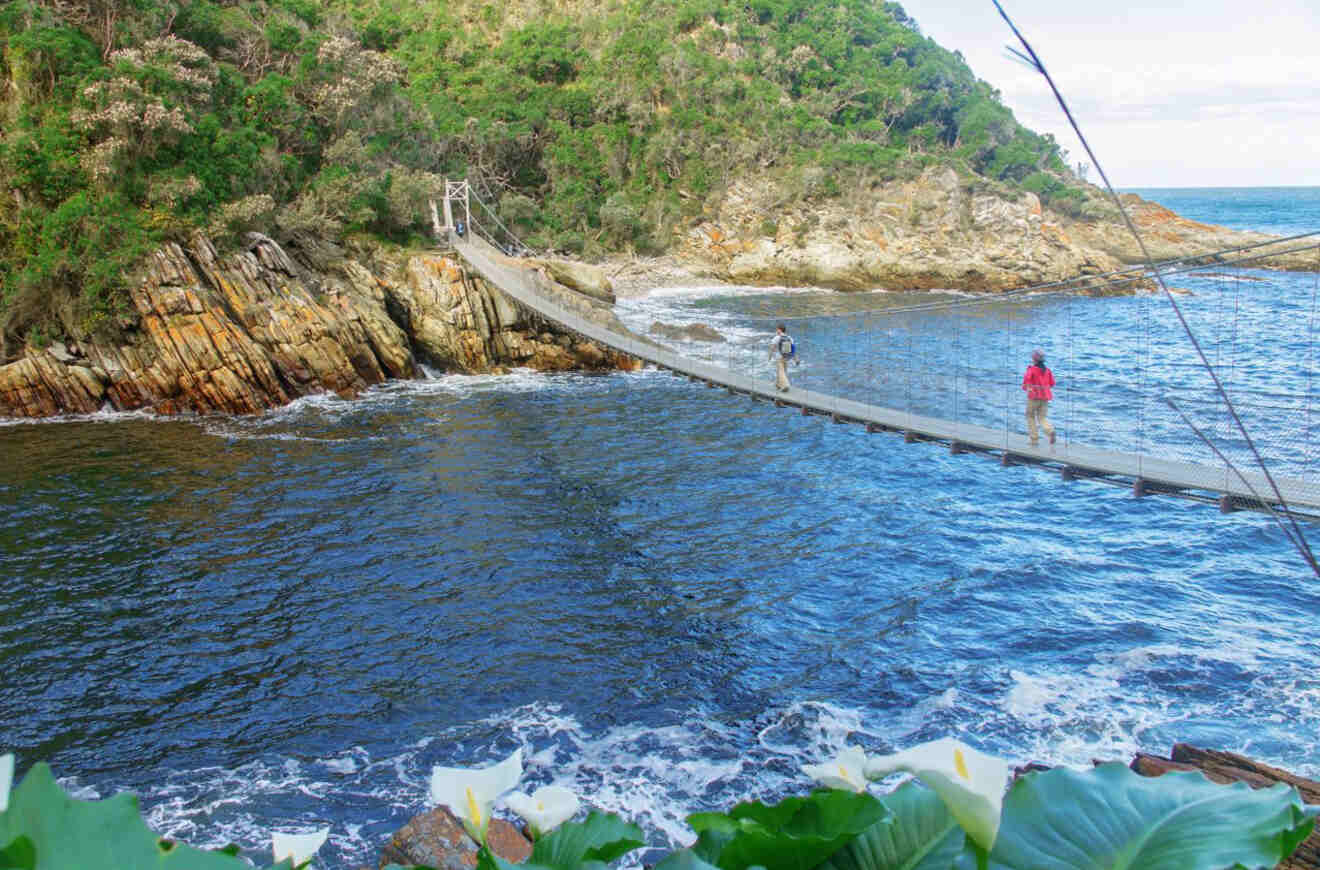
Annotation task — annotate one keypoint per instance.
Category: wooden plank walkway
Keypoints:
(1143, 474)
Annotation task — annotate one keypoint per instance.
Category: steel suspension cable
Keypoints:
(1295, 536)
(1010, 373)
(958, 359)
(868, 331)
(1221, 334)
(1233, 345)
(1143, 354)
(1220, 293)
(908, 379)
(1072, 368)
(1310, 368)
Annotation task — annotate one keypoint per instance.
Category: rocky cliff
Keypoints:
(939, 230)
(257, 328)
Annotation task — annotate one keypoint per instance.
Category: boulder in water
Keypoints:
(585, 278)
(691, 332)
(437, 839)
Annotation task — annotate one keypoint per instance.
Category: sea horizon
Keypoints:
(1135, 189)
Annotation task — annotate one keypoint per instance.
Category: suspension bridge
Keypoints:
(493, 253)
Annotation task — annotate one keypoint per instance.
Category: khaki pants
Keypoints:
(1037, 409)
(781, 373)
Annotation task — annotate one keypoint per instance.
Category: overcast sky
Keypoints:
(1207, 93)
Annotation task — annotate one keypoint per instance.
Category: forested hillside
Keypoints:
(594, 126)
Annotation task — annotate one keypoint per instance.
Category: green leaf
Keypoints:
(18, 855)
(1110, 818)
(795, 834)
(921, 836)
(684, 859)
(586, 845)
(711, 842)
(66, 834)
(601, 837)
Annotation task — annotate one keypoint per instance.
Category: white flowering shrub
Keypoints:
(356, 81)
(147, 104)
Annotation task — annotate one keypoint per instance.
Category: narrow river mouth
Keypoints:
(669, 597)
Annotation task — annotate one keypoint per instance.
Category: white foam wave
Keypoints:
(325, 417)
(329, 408)
(710, 291)
(463, 386)
(1140, 658)
(235, 433)
(744, 348)
(1133, 700)
(657, 774)
(105, 415)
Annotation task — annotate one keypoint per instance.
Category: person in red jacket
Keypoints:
(1037, 381)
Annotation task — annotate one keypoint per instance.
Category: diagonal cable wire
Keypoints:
(1297, 541)
(1033, 60)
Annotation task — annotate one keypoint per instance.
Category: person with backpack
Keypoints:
(782, 349)
(1037, 381)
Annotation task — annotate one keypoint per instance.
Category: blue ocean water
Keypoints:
(1284, 211)
(669, 597)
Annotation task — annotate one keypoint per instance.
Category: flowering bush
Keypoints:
(955, 814)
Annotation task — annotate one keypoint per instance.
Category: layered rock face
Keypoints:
(935, 231)
(259, 328)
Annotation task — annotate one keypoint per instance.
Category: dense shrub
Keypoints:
(591, 133)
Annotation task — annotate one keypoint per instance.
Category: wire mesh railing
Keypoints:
(955, 364)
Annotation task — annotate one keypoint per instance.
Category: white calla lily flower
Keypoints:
(299, 847)
(470, 793)
(6, 779)
(846, 771)
(545, 809)
(970, 783)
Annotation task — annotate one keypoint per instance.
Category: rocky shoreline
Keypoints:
(260, 327)
(437, 839)
(937, 231)
(257, 328)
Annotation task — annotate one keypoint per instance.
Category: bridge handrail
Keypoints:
(1079, 459)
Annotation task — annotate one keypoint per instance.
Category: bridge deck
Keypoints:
(1146, 474)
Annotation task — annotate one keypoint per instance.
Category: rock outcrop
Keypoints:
(1228, 767)
(935, 231)
(437, 839)
(691, 332)
(585, 278)
(257, 328)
